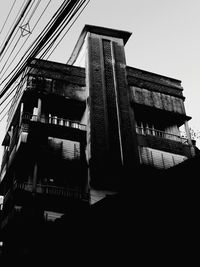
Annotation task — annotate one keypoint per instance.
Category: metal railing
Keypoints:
(63, 192)
(162, 134)
(52, 190)
(54, 120)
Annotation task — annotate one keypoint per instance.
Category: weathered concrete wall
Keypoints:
(154, 82)
(165, 145)
(157, 100)
(60, 71)
(60, 79)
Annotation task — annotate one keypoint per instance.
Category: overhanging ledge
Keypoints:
(125, 35)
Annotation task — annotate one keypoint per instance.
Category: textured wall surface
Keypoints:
(157, 100)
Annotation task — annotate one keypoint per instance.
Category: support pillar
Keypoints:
(39, 111)
(188, 134)
(111, 136)
(35, 175)
(21, 113)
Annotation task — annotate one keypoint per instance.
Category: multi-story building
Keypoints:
(78, 132)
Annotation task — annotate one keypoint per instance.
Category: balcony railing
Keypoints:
(65, 192)
(54, 120)
(162, 134)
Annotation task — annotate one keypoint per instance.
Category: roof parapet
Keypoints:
(125, 35)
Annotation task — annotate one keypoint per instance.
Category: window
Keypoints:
(159, 159)
(67, 149)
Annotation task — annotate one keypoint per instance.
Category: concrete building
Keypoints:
(81, 133)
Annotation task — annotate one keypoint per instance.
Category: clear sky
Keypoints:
(165, 39)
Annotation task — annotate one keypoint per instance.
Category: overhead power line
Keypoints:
(19, 50)
(58, 31)
(58, 22)
(9, 43)
(15, 26)
(69, 28)
(7, 16)
(14, 21)
(19, 37)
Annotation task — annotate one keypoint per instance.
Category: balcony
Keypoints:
(20, 193)
(161, 134)
(58, 191)
(19, 137)
(54, 120)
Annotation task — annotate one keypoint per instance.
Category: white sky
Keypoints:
(165, 39)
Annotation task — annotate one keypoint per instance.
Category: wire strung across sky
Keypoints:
(12, 88)
(11, 27)
(68, 28)
(16, 43)
(44, 44)
(15, 26)
(19, 50)
(7, 17)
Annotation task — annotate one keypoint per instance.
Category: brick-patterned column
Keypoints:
(126, 114)
(97, 132)
(111, 133)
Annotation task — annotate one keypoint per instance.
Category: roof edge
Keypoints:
(125, 35)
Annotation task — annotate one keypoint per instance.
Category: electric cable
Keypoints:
(25, 42)
(62, 26)
(58, 31)
(9, 56)
(11, 41)
(35, 8)
(22, 66)
(42, 40)
(69, 28)
(15, 26)
(34, 27)
(10, 92)
(6, 106)
(14, 21)
(19, 38)
(18, 94)
(3, 117)
(7, 17)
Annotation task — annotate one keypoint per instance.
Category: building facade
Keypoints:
(80, 131)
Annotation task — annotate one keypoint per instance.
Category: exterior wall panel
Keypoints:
(155, 82)
(157, 100)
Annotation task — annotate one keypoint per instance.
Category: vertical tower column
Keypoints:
(105, 148)
(114, 151)
(111, 137)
